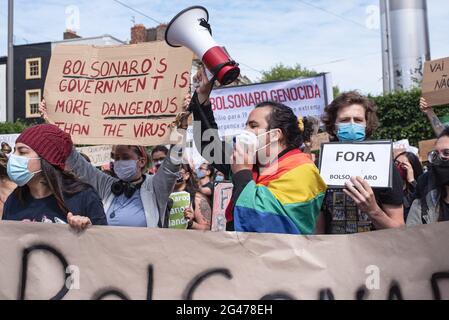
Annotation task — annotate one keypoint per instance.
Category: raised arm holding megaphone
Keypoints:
(190, 28)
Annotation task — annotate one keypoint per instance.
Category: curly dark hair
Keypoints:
(347, 99)
(3, 164)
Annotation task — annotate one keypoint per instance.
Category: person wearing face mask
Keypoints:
(197, 215)
(432, 197)
(132, 198)
(6, 185)
(280, 189)
(204, 173)
(352, 117)
(158, 155)
(410, 169)
(45, 191)
(219, 176)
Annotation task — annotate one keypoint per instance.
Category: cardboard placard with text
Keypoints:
(318, 140)
(117, 94)
(370, 160)
(98, 155)
(435, 84)
(425, 147)
(222, 197)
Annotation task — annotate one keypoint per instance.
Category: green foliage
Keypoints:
(401, 118)
(12, 127)
(281, 72)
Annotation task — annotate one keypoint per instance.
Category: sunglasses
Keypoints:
(436, 157)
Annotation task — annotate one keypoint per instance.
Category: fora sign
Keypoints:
(370, 160)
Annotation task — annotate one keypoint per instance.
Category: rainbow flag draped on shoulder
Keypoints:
(286, 198)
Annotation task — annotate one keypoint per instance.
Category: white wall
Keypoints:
(2, 92)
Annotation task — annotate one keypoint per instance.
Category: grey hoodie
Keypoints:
(154, 191)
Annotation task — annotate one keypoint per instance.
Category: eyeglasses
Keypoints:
(398, 163)
(435, 157)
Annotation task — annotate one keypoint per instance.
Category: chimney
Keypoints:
(138, 34)
(70, 34)
(156, 33)
(160, 32)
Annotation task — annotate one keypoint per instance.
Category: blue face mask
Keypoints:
(219, 178)
(349, 132)
(199, 173)
(18, 171)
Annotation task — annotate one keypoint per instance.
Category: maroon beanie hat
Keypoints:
(49, 142)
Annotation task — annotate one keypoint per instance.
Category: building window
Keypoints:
(33, 68)
(32, 99)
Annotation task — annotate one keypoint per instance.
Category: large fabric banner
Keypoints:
(307, 97)
(117, 95)
(41, 261)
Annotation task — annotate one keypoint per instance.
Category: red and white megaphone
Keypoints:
(190, 28)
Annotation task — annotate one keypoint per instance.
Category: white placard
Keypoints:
(9, 139)
(369, 160)
(98, 155)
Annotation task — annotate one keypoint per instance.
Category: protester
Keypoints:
(6, 148)
(133, 199)
(204, 173)
(352, 117)
(280, 192)
(158, 155)
(435, 122)
(410, 169)
(219, 176)
(199, 213)
(6, 185)
(432, 199)
(46, 192)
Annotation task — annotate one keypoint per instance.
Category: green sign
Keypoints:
(445, 120)
(181, 201)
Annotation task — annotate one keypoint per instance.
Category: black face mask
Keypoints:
(441, 174)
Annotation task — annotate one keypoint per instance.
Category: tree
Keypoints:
(281, 72)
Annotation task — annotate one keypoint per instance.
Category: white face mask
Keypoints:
(249, 138)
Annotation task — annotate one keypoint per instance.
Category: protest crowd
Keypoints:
(277, 187)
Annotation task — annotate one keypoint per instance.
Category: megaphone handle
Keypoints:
(221, 65)
(206, 25)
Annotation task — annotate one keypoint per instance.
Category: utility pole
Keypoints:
(10, 64)
(405, 43)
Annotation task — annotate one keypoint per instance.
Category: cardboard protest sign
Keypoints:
(98, 155)
(306, 96)
(370, 160)
(181, 201)
(435, 85)
(318, 140)
(117, 95)
(425, 147)
(222, 197)
(43, 261)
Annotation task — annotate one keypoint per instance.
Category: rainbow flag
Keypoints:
(286, 198)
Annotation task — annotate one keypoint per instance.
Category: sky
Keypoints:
(341, 37)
